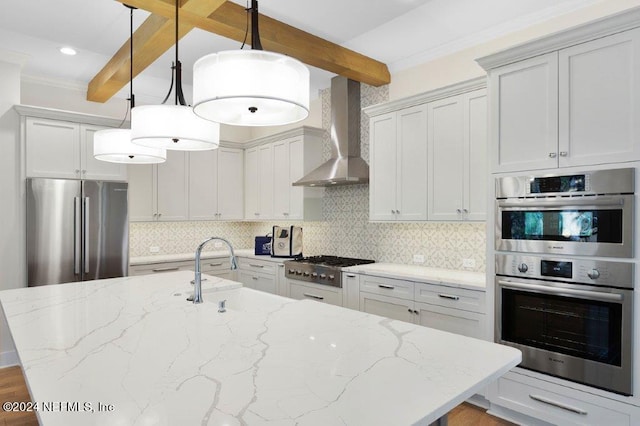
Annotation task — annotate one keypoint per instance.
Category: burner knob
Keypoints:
(331, 277)
(314, 274)
(523, 267)
(298, 272)
(305, 273)
(323, 276)
(594, 274)
(292, 271)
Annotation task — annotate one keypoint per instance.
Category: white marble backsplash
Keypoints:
(345, 230)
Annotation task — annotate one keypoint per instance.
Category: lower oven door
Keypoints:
(577, 332)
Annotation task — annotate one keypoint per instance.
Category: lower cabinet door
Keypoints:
(320, 293)
(386, 306)
(262, 282)
(471, 324)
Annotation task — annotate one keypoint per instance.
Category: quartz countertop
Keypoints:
(135, 346)
(448, 277)
(180, 257)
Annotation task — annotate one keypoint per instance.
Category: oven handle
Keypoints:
(564, 202)
(582, 294)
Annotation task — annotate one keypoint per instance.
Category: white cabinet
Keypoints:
(63, 149)
(524, 119)
(456, 310)
(258, 274)
(216, 184)
(398, 156)
(259, 182)
(572, 107)
(270, 170)
(160, 191)
(218, 267)
(457, 143)
(599, 104)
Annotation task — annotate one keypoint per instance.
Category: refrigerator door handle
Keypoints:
(85, 234)
(77, 243)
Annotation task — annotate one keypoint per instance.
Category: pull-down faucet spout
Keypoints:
(197, 284)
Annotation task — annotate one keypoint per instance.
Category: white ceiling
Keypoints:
(400, 33)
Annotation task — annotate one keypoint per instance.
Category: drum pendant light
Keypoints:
(173, 127)
(114, 145)
(251, 87)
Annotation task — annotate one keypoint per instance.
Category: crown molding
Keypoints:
(602, 27)
(304, 131)
(76, 117)
(430, 96)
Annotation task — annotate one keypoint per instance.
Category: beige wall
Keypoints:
(461, 66)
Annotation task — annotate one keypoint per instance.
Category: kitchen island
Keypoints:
(133, 351)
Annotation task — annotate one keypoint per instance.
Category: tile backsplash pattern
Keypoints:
(345, 230)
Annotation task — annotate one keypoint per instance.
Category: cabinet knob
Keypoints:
(286, 214)
(563, 153)
(393, 212)
(397, 211)
(257, 214)
(84, 172)
(465, 211)
(552, 155)
(458, 211)
(77, 171)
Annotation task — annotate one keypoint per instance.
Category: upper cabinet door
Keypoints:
(52, 148)
(173, 187)
(599, 102)
(411, 198)
(446, 159)
(476, 156)
(230, 183)
(96, 169)
(142, 192)
(251, 184)
(203, 177)
(383, 164)
(281, 180)
(265, 182)
(524, 104)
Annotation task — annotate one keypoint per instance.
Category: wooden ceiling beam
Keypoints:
(230, 21)
(151, 40)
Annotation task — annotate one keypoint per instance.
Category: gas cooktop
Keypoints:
(321, 269)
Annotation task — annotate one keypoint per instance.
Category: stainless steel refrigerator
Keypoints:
(77, 230)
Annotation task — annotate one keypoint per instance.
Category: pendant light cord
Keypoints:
(252, 12)
(176, 70)
(130, 100)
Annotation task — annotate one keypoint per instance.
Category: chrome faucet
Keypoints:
(197, 284)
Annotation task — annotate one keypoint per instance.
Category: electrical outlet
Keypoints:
(468, 263)
(418, 258)
(217, 244)
(154, 249)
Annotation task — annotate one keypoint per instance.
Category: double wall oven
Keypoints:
(565, 274)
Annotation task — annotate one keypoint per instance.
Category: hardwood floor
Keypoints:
(13, 388)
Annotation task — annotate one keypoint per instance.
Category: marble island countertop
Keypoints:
(450, 277)
(135, 345)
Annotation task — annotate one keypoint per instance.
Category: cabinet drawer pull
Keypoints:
(449, 296)
(254, 278)
(215, 264)
(256, 266)
(313, 296)
(281, 265)
(388, 287)
(175, 268)
(558, 404)
(563, 153)
(351, 275)
(552, 155)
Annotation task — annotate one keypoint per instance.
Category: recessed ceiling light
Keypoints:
(68, 51)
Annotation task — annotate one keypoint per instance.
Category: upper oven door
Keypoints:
(590, 226)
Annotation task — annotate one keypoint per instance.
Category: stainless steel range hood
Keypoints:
(345, 166)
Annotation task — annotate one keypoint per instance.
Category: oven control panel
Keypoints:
(584, 271)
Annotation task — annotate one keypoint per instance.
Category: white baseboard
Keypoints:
(8, 358)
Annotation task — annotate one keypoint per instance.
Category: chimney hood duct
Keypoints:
(345, 166)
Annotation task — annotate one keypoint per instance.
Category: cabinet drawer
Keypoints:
(221, 264)
(389, 307)
(257, 265)
(258, 281)
(470, 324)
(156, 268)
(451, 297)
(387, 287)
(554, 407)
(319, 293)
